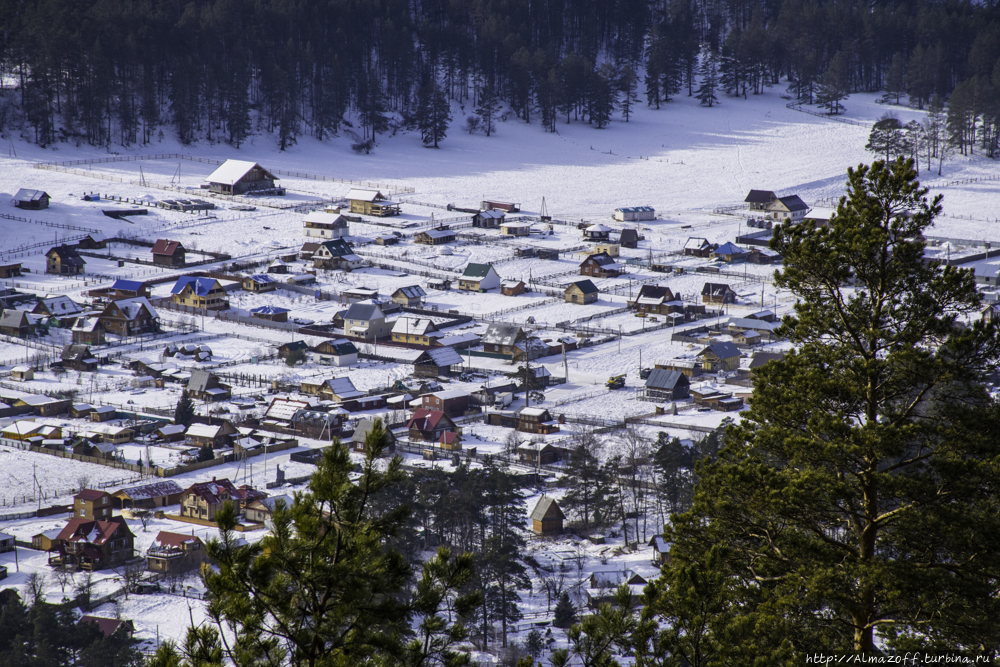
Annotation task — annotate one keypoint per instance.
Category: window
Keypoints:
(83, 512)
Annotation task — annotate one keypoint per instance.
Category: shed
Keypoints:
(436, 361)
(547, 518)
(512, 287)
(581, 292)
(667, 385)
(270, 313)
(260, 282)
(31, 199)
(22, 373)
(489, 219)
(629, 238)
(634, 213)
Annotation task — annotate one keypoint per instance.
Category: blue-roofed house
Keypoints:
(270, 313)
(729, 252)
(200, 293)
(260, 282)
(128, 289)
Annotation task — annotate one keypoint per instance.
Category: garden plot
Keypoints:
(23, 472)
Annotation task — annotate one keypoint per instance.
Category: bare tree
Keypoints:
(131, 572)
(83, 588)
(634, 474)
(63, 577)
(144, 516)
(512, 442)
(36, 587)
(82, 481)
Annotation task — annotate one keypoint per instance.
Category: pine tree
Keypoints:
(628, 85)
(895, 78)
(487, 109)
(834, 85)
(433, 114)
(709, 73)
(847, 509)
(589, 489)
(184, 412)
(565, 612)
(603, 95)
(886, 137)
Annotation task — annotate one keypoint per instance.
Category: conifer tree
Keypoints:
(433, 113)
(834, 85)
(708, 70)
(184, 412)
(628, 84)
(895, 78)
(565, 612)
(487, 109)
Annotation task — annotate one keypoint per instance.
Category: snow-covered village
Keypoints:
(534, 350)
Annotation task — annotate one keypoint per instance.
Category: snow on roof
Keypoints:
(440, 356)
(414, 326)
(61, 305)
(450, 393)
(533, 412)
(132, 307)
(20, 369)
(232, 171)
(202, 431)
(324, 218)
(171, 429)
(24, 194)
(342, 388)
(284, 408)
(357, 194)
(598, 228)
(269, 310)
(411, 292)
(695, 243)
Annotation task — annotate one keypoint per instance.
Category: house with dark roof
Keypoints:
(361, 432)
(12, 270)
(664, 385)
(260, 282)
(32, 200)
(168, 253)
(336, 254)
(155, 494)
(206, 386)
(717, 293)
(175, 552)
(270, 313)
(581, 292)
(197, 292)
(204, 499)
(428, 425)
(758, 200)
(90, 544)
(791, 208)
(657, 300)
(64, 260)
(696, 246)
(333, 389)
(547, 518)
(339, 352)
(601, 265)
(729, 252)
(438, 236)
(719, 356)
(16, 323)
(129, 317)
(78, 358)
(128, 289)
(629, 238)
(278, 266)
(489, 219)
(294, 346)
(236, 177)
(479, 278)
(366, 321)
(61, 307)
(437, 361)
(409, 296)
(308, 249)
(109, 626)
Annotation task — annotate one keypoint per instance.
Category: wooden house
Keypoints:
(270, 313)
(428, 425)
(450, 441)
(634, 213)
(129, 317)
(547, 518)
(661, 550)
(22, 373)
(759, 200)
(729, 252)
(168, 253)
(209, 435)
(336, 254)
(600, 265)
(436, 362)
(148, 496)
(262, 509)
(413, 330)
(372, 202)
(64, 309)
(104, 413)
(92, 545)
(629, 238)
(128, 289)
(452, 402)
(259, 282)
(32, 200)
(719, 356)
(511, 287)
(657, 300)
(333, 389)
(64, 260)
(204, 499)
(308, 250)
(171, 553)
(581, 292)
(438, 236)
(540, 453)
(10, 270)
(340, 352)
(206, 386)
(507, 207)
(597, 233)
(790, 209)
(361, 433)
(16, 323)
(502, 338)
(6, 543)
(664, 385)
(294, 346)
(698, 247)
(237, 177)
(325, 225)
(479, 278)
(717, 293)
(489, 219)
(93, 241)
(536, 420)
(278, 266)
(88, 331)
(92, 504)
(410, 296)
(206, 293)
(78, 358)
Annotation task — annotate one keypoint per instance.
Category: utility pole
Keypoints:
(527, 387)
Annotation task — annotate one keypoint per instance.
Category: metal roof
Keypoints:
(363, 311)
(201, 286)
(24, 194)
(231, 171)
(475, 270)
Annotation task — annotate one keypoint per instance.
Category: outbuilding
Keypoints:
(33, 200)
(547, 518)
(236, 177)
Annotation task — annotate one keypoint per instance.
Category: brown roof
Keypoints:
(165, 247)
(89, 531)
(168, 539)
(107, 625)
(249, 494)
(426, 420)
(91, 494)
(214, 492)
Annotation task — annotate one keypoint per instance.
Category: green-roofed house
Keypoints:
(479, 278)
(581, 292)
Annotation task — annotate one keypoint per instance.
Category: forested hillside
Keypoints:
(110, 72)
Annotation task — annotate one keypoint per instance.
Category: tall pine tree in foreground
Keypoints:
(325, 588)
(855, 507)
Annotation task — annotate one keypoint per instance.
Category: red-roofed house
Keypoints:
(93, 545)
(204, 499)
(168, 253)
(175, 552)
(429, 425)
(92, 504)
(109, 626)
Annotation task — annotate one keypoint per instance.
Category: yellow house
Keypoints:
(205, 293)
(413, 330)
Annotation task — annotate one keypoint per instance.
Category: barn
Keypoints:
(237, 177)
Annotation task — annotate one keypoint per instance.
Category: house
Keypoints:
(581, 292)
(168, 253)
(438, 236)
(58, 307)
(278, 266)
(629, 238)
(450, 441)
(507, 207)
(93, 241)
(515, 229)
(325, 225)
(317, 424)
(664, 385)
(453, 402)
(129, 317)
(759, 200)
(790, 208)
(92, 504)
(501, 338)
(259, 282)
(698, 247)
(16, 323)
(295, 346)
(209, 435)
(78, 358)
(719, 356)
(600, 265)
(32, 200)
(737, 325)
(237, 177)
(336, 254)
(437, 361)
(511, 287)
(47, 541)
(22, 373)
(361, 433)
(204, 499)
(6, 543)
(148, 496)
(128, 289)
(10, 270)
(409, 296)
(479, 278)
(175, 552)
(365, 320)
(603, 585)
(661, 550)
(339, 352)
(104, 413)
(206, 293)
(262, 509)
(111, 435)
(170, 432)
(710, 397)
(63, 260)
(371, 202)
(657, 300)
(536, 420)
(747, 338)
(717, 293)
(90, 544)
(489, 219)
(416, 331)
(634, 213)
(428, 425)
(270, 313)
(308, 249)
(597, 233)
(538, 453)
(547, 518)
(386, 239)
(43, 406)
(334, 389)
(88, 331)
(760, 358)
(729, 252)
(205, 386)
(763, 256)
